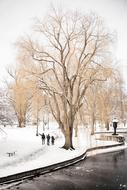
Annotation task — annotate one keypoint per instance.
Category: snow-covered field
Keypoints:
(31, 154)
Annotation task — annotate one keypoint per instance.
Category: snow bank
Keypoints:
(31, 154)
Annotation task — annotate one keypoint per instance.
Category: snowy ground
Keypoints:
(31, 154)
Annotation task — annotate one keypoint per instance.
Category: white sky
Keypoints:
(16, 19)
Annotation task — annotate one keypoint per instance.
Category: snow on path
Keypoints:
(31, 154)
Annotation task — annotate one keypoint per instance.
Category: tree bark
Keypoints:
(21, 122)
(93, 125)
(68, 139)
(76, 131)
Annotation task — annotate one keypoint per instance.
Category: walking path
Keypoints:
(30, 154)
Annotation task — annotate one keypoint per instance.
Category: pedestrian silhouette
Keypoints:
(115, 122)
(43, 138)
(52, 140)
(48, 139)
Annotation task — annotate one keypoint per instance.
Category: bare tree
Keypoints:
(7, 115)
(72, 55)
(91, 98)
(105, 104)
(110, 101)
(120, 99)
(37, 106)
(19, 97)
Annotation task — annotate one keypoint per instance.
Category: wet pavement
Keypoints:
(104, 172)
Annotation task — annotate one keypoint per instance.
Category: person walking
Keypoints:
(48, 139)
(115, 122)
(42, 138)
(52, 140)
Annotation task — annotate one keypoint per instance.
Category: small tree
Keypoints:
(105, 105)
(37, 107)
(19, 96)
(7, 115)
(91, 97)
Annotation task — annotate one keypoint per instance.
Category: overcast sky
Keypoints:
(16, 19)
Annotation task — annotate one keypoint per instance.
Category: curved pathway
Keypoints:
(104, 171)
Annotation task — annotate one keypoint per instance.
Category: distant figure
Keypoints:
(52, 140)
(48, 139)
(115, 122)
(43, 138)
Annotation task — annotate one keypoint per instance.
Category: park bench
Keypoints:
(11, 153)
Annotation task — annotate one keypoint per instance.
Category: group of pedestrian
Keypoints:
(48, 138)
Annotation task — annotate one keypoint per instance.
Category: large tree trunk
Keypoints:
(68, 139)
